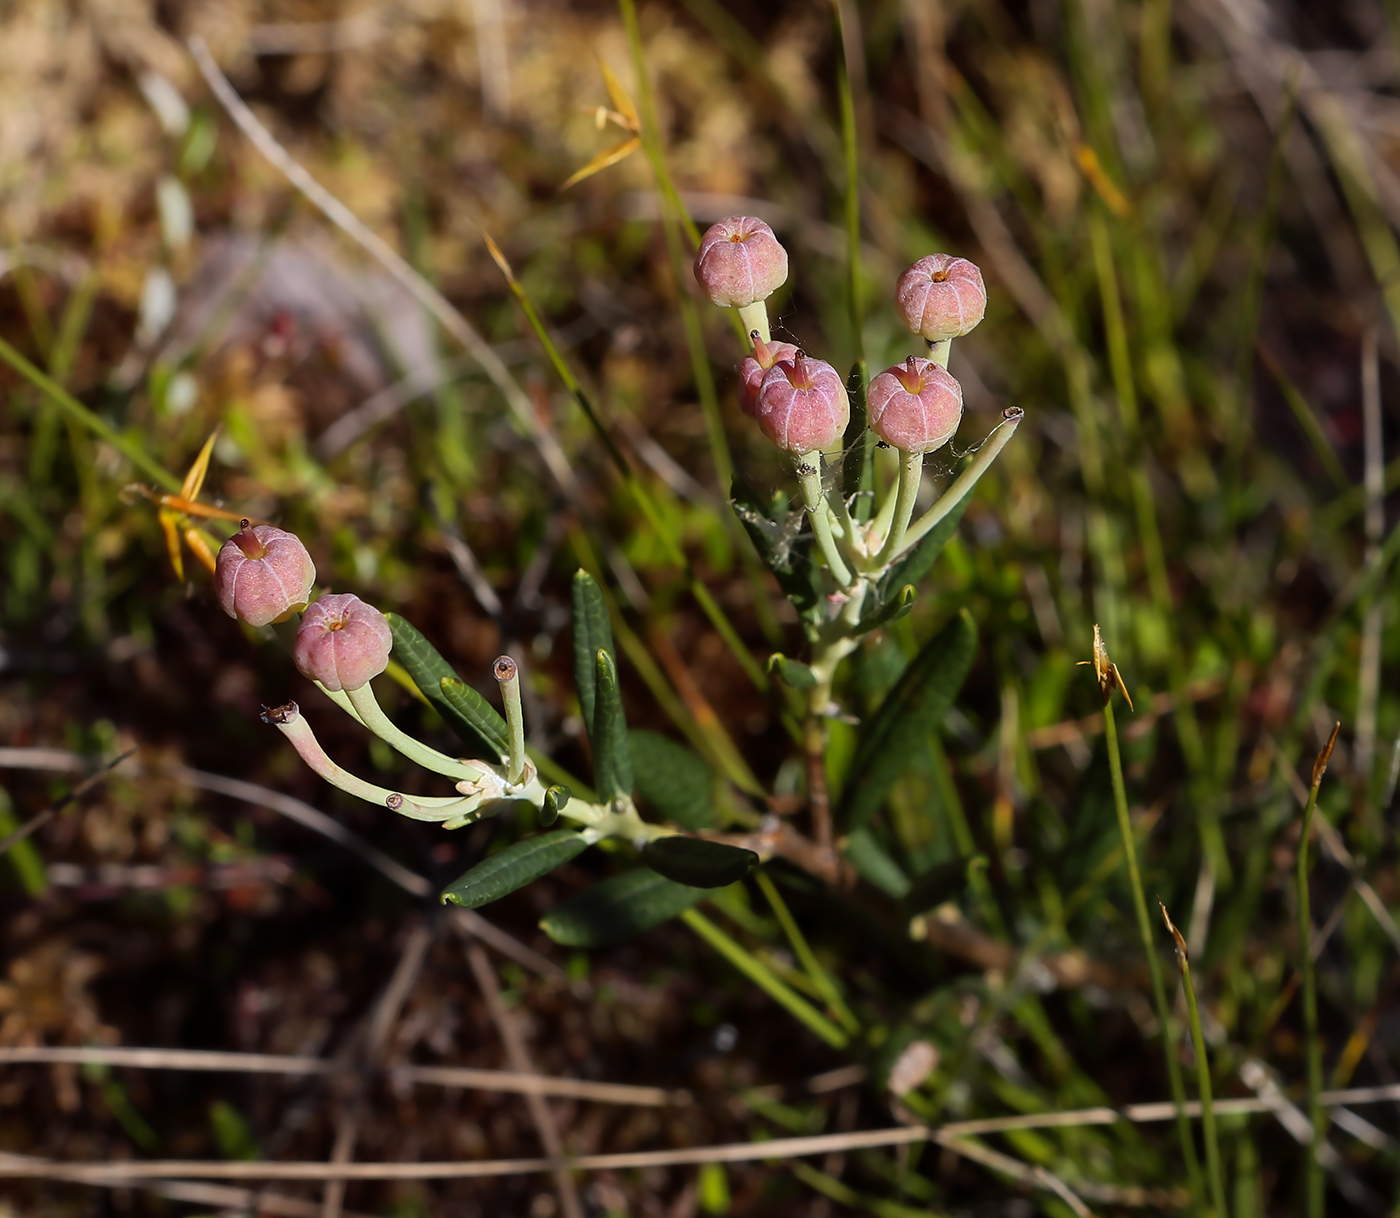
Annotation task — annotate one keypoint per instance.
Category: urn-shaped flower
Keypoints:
(941, 297)
(915, 406)
(751, 371)
(740, 262)
(802, 404)
(263, 574)
(342, 643)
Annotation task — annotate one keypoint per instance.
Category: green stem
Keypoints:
(962, 486)
(364, 706)
(809, 477)
(1154, 967)
(508, 678)
(1315, 1182)
(823, 980)
(755, 317)
(1198, 1042)
(911, 477)
(66, 402)
(762, 976)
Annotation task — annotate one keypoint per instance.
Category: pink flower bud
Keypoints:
(915, 406)
(751, 371)
(263, 575)
(941, 297)
(342, 643)
(802, 404)
(740, 262)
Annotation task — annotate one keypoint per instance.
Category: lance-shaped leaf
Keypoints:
(911, 711)
(697, 862)
(554, 800)
(894, 609)
(915, 565)
(674, 781)
(618, 908)
(514, 867)
(475, 721)
(873, 863)
(479, 715)
(612, 763)
(791, 673)
(776, 543)
(858, 464)
(591, 633)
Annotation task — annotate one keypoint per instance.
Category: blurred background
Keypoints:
(1186, 216)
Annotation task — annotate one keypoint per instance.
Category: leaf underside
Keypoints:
(619, 908)
(697, 862)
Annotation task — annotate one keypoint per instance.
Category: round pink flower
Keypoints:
(263, 575)
(802, 404)
(915, 406)
(740, 262)
(941, 297)
(342, 643)
(751, 371)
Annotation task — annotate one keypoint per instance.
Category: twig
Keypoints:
(38, 821)
(381, 1023)
(236, 788)
(470, 1078)
(519, 1057)
(124, 1172)
(429, 297)
(469, 922)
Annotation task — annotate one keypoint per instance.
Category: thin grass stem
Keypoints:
(1154, 967)
(824, 982)
(80, 414)
(1316, 1183)
(851, 157)
(762, 976)
(1198, 1042)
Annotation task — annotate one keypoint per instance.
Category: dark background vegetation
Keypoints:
(1204, 359)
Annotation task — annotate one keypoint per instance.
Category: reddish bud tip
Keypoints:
(263, 575)
(740, 262)
(941, 297)
(342, 643)
(802, 404)
(915, 406)
(504, 668)
(751, 371)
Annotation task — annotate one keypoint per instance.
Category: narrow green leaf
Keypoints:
(478, 715)
(513, 868)
(894, 609)
(858, 466)
(697, 862)
(618, 908)
(591, 633)
(912, 568)
(864, 852)
(554, 800)
(674, 781)
(612, 762)
(792, 673)
(910, 713)
(477, 728)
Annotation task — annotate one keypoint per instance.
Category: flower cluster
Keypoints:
(802, 405)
